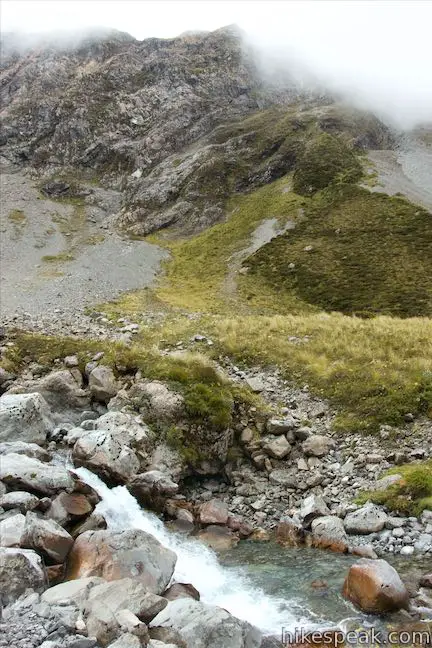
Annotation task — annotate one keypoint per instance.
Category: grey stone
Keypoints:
(19, 471)
(24, 417)
(20, 569)
(368, 519)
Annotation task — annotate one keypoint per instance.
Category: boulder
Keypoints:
(213, 512)
(156, 401)
(218, 538)
(11, 530)
(206, 626)
(181, 590)
(102, 383)
(283, 478)
(120, 605)
(384, 483)
(282, 426)
(20, 569)
(106, 455)
(375, 587)
(290, 533)
(152, 488)
(129, 426)
(330, 530)
(368, 519)
(128, 640)
(317, 445)
(24, 417)
(312, 507)
(94, 522)
(19, 500)
(46, 537)
(68, 508)
(25, 473)
(122, 554)
(279, 448)
(75, 591)
(28, 449)
(62, 390)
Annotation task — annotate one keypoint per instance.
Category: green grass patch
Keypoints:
(58, 258)
(410, 496)
(356, 252)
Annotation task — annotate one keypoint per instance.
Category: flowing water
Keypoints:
(259, 583)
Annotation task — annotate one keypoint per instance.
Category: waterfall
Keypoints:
(226, 587)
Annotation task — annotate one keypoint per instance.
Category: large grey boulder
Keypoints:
(129, 426)
(20, 500)
(156, 401)
(24, 473)
(20, 569)
(103, 384)
(24, 417)
(329, 528)
(62, 390)
(277, 447)
(74, 591)
(11, 530)
(106, 455)
(312, 507)
(122, 554)
(367, 519)
(207, 626)
(317, 445)
(375, 587)
(28, 449)
(46, 537)
(107, 602)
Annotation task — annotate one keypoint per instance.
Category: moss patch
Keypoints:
(410, 496)
(58, 258)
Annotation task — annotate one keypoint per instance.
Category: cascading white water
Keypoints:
(197, 564)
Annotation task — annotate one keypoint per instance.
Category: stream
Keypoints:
(269, 586)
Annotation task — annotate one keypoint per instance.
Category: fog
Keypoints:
(377, 54)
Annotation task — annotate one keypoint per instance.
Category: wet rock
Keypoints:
(181, 590)
(375, 587)
(20, 500)
(213, 512)
(317, 446)
(368, 519)
(218, 538)
(289, 533)
(26, 417)
(313, 507)
(205, 626)
(115, 555)
(102, 383)
(20, 569)
(106, 455)
(94, 522)
(67, 508)
(21, 472)
(152, 488)
(46, 537)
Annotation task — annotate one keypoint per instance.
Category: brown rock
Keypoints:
(214, 512)
(289, 533)
(181, 590)
(218, 538)
(67, 508)
(124, 554)
(55, 574)
(375, 587)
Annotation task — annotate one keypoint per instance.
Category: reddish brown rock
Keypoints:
(218, 538)
(426, 580)
(214, 512)
(375, 587)
(289, 533)
(55, 574)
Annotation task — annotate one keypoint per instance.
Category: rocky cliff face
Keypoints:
(178, 124)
